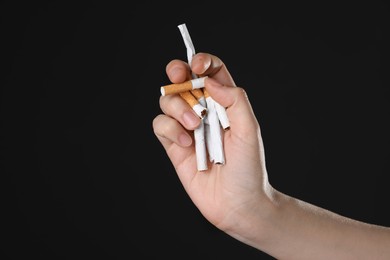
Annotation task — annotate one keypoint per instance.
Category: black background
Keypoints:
(82, 174)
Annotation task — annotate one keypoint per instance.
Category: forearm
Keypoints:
(293, 229)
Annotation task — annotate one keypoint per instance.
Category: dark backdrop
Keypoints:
(82, 174)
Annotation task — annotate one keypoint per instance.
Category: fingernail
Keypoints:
(174, 72)
(185, 139)
(190, 119)
(200, 64)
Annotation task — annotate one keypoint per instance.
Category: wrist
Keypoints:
(253, 224)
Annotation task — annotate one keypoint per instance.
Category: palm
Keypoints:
(222, 188)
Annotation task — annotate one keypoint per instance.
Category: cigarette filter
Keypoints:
(194, 103)
(198, 93)
(181, 87)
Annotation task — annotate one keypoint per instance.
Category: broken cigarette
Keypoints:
(200, 147)
(213, 132)
(182, 87)
(198, 94)
(222, 116)
(221, 112)
(199, 109)
(199, 133)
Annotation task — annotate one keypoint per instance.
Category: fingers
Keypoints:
(169, 131)
(204, 64)
(220, 86)
(178, 71)
(175, 107)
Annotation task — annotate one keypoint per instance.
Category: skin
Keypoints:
(237, 197)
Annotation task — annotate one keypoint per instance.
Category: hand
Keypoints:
(225, 194)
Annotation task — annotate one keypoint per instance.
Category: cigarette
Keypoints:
(221, 112)
(200, 147)
(198, 93)
(222, 116)
(199, 132)
(213, 132)
(181, 87)
(208, 135)
(199, 109)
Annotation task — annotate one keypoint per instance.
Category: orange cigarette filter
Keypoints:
(181, 87)
(194, 103)
(205, 93)
(198, 93)
(189, 98)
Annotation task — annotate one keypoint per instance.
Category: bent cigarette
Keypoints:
(199, 132)
(221, 112)
(181, 87)
(213, 132)
(194, 103)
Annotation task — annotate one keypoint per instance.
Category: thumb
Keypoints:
(238, 108)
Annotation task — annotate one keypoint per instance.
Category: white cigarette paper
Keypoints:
(215, 118)
(199, 132)
(222, 116)
(200, 147)
(213, 132)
